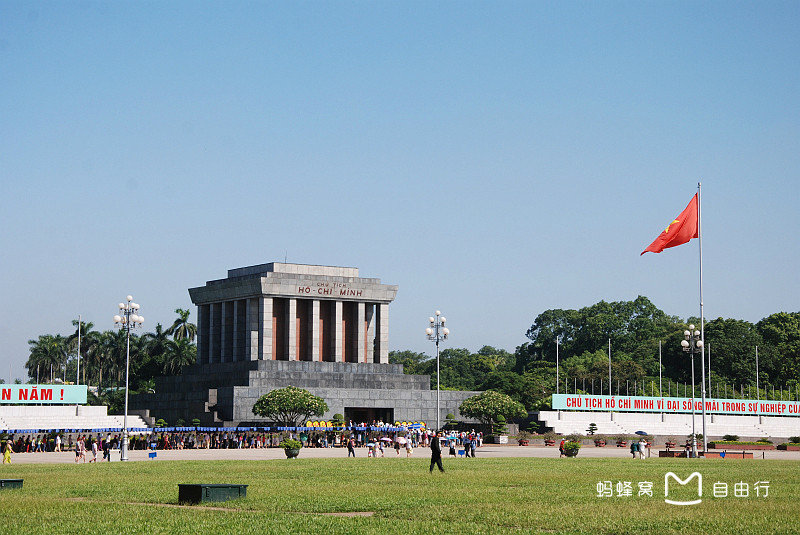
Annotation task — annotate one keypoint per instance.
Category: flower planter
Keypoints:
(599, 443)
(713, 445)
(622, 443)
(727, 455)
(571, 452)
(789, 447)
(523, 442)
(549, 442)
(669, 445)
(291, 453)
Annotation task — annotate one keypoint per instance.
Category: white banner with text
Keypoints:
(740, 407)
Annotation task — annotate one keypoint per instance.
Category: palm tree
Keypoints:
(181, 328)
(155, 343)
(46, 352)
(179, 353)
(88, 339)
(110, 353)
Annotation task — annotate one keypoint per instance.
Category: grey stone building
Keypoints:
(321, 328)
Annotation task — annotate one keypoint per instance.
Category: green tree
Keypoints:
(413, 363)
(152, 349)
(182, 328)
(88, 339)
(781, 332)
(289, 405)
(488, 406)
(48, 354)
(735, 341)
(179, 353)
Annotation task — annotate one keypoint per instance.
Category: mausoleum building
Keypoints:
(322, 328)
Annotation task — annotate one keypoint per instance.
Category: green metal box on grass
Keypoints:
(201, 492)
(10, 483)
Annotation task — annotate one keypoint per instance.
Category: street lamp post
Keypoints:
(128, 318)
(693, 342)
(437, 332)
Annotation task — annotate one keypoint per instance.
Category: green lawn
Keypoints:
(474, 496)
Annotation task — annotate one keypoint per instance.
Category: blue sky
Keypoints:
(494, 160)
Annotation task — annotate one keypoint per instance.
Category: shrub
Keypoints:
(794, 440)
(289, 405)
(572, 445)
(733, 438)
(451, 420)
(291, 444)
(500, 427)
(592, 429)
(765, 440)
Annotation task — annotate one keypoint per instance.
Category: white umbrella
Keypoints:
(401, 440)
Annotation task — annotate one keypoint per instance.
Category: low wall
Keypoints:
(52, 411)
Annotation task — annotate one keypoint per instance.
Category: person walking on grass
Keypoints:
(80, 450)
(436, 453)
(7, 452)
(94, 450)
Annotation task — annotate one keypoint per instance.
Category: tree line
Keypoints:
(635, 329)
(103, 354)
(528, 375)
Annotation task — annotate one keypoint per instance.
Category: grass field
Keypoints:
(399, 496)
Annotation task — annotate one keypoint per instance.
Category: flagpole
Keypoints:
(702, 318)
(709, 369)
(609, 367)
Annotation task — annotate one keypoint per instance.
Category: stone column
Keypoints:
(224, 335)
(253, 331)
(235, 343)
(215, 323)
(291, 327)
(314, 333)
(337, 332)
(361, 330)
(202, 334)
(382, 335)
(370, 321)
(265, 329)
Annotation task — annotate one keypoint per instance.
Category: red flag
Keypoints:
(680, 231)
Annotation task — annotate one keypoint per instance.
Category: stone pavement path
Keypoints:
(487, 451)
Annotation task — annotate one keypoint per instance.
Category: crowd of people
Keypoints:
(375, 439)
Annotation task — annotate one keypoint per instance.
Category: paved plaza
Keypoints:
(264, 454)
